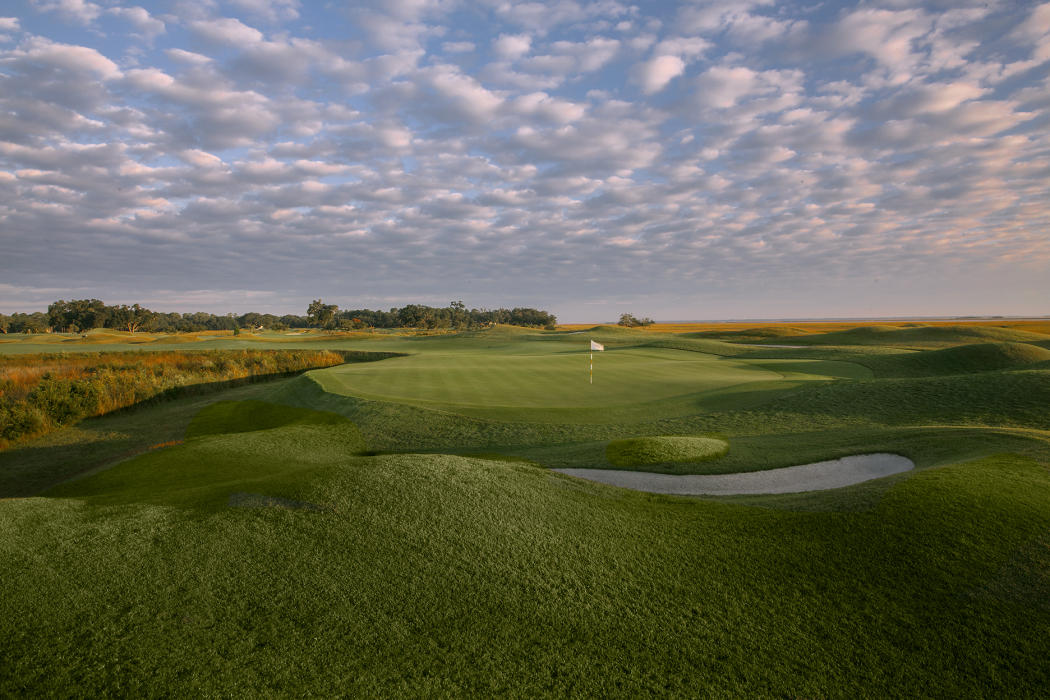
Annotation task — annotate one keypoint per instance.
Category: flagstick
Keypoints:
(592, 368)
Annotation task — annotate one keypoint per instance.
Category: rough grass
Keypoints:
(920, 336)
(248, 416)
(633, 452)
(441, 575)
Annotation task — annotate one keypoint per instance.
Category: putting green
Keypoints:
(554, 384)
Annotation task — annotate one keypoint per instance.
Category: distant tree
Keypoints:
(36, 322)
(631, 321)
(321, 314)
(77, 314)
(5, 323)
(530, 318)
(411, 316)
(459, 317)
(293, 321)
(130, 318)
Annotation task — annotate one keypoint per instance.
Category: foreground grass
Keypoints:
(438, 574)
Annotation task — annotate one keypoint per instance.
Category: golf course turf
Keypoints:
(397, 527)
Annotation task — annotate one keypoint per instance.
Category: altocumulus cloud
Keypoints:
(683, 160)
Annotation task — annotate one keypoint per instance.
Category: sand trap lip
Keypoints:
(818, 476)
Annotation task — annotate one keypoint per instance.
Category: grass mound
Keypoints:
(237, 455)
(920, 336)
(178, 338)
(762, 333)
(105, 339)
(248, 416)
(962, 359)
(639, 451)
(711, 347)
(1016, 399)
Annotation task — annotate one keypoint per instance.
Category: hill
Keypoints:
(920, 336)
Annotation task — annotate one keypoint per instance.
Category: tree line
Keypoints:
(455, 316)
(81, 315)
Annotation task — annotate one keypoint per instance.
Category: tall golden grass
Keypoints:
(807, 327)
(42, 392)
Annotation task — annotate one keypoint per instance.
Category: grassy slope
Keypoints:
(96, 442)
(920, 336)
(445, 575)
(961, 359)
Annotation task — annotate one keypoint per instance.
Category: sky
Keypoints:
(691, 160)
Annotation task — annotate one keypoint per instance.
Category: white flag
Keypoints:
(597, 346)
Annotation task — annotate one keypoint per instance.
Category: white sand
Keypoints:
(832, 474)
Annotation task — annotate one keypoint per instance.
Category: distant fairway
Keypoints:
(545, 383)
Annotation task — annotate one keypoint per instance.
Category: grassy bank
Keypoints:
(41, 392)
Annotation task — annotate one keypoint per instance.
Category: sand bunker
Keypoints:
(832, 474)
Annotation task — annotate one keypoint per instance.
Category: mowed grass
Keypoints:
(553, 380)
(260, 550)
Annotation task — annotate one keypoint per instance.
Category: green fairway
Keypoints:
(553, 377)
(393, 528)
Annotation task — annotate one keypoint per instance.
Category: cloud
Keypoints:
(654, 75)
(149, 25)
(78, 11)
(458, 47)
(722, 87)
(642, 150)
(461, 93)
(221, 117)
(201, 159)
(270, 10)
(1036, 31)
(936, 97)
(75, 59)
(888, 36)
(549, 108)
(542, 17)
(227, 31)
(187, 57)
(512, 46)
